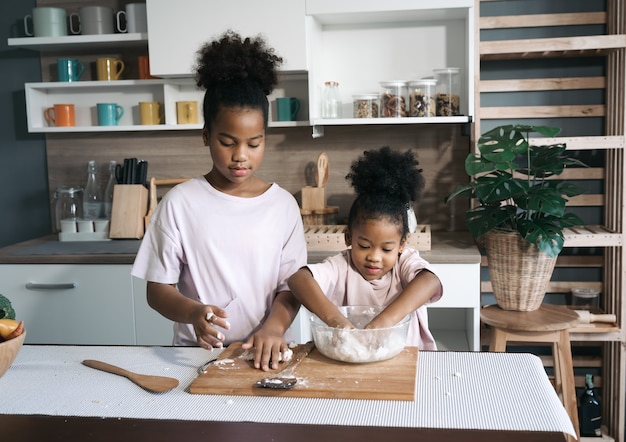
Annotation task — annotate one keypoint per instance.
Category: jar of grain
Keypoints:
(365, 106)
(393, 99)
(422, 98)
(448, 91)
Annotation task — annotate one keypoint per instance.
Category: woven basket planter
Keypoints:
(519, 271)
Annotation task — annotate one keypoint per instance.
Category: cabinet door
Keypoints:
(151, 327)
(177, 30)
(71, 303)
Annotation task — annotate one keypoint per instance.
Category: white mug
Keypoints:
(93, 20)
(136, 19)
(46, 22)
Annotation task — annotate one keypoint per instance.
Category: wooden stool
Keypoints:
(548, 324)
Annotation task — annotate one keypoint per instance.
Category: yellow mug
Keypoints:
(109, 68)
(187, 112)
(150, 112)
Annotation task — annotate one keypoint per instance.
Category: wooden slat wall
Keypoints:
(612, 199)
(614, 400)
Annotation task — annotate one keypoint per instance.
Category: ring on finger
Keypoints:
(210, 316)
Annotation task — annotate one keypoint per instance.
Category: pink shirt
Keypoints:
(344, 285)
(233, 252)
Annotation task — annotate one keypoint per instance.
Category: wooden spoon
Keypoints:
(321, 175)
(156, 384)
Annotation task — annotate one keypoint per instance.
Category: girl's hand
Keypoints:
(206, 319)
(339, 321)
(267, 347)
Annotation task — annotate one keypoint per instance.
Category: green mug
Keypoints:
(287, 108)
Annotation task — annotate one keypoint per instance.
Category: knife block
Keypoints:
(130, 204)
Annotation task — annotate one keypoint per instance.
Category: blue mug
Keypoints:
(109, 114)
(69, 69)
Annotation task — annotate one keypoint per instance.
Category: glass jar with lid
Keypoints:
(393, 98)
(365, 106)
(422, 98)
(448, 92)
(331, 100)
(68, 204)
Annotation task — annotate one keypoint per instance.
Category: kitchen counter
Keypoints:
(447, 248)
(471, 396)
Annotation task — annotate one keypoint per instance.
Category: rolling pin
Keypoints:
(587, 317)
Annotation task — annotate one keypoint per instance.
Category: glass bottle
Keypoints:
(331, 101)
(108, 191)
(589, 412)
(92, 196)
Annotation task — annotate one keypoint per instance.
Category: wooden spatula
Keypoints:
(156, 384)
(321, 173)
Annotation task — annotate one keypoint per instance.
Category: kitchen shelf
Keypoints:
(81, 42)
(391, 121)
(362, 44)
(127, 93)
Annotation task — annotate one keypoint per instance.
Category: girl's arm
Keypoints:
(308, 292)
(169, 302)
(415, 294)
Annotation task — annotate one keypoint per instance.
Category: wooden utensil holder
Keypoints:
(313, 198)
(130, 204)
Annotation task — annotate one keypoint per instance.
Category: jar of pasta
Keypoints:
(422, 102)
(365, 106)
(448, 91)
(393, 99)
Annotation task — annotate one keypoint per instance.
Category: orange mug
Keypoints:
(61, 115)
(143, 62)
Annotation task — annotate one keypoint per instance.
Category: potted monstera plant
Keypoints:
(521, 210)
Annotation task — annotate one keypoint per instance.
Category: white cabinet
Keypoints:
(71, 303)
(151, 328)
(177, 30)
(83, 304)
(454, 320)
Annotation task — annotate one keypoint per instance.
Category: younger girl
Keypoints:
(378, 269)
(220, 247)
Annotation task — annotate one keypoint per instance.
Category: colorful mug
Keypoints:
(109, 114)
(61, 115)
(69, 69)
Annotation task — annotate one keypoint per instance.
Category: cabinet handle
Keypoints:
(60, 286)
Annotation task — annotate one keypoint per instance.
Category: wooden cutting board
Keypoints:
(318, 377)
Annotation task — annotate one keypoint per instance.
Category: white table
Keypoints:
(472, 394)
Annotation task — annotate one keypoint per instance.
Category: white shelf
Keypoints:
(127, 93)
(69, 42)
(374, 121)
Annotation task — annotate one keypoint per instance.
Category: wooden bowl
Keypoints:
(8, 352)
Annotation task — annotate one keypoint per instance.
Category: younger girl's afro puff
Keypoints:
(387, 172)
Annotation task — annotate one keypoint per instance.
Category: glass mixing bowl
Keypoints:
(359, 345)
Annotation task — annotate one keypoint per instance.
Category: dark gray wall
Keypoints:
(24, 205)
